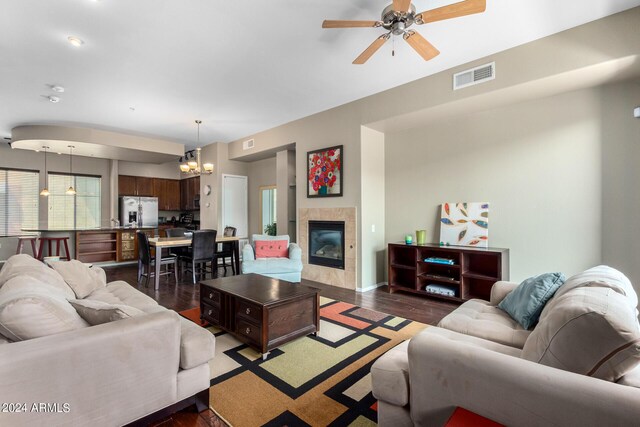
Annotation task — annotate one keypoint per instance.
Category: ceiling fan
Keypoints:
(399, 16)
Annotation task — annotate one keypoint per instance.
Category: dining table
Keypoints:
(175, 242)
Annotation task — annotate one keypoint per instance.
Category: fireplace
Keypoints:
(326, 243)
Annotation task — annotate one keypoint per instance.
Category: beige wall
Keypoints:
(536, 163)
(168, 170)
(261, 173)
(621, 178)
(372, 214)
(25, 159)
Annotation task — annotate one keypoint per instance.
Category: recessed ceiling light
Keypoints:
(58, 89)
(53, 99)
(75, 41)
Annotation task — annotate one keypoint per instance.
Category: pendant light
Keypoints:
(195, 165)
(45, 191)
(71, 191)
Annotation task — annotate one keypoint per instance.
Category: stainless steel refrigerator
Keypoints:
(139, 211)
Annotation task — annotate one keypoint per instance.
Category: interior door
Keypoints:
(235, 205)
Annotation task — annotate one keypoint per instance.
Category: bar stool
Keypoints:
(23, 239)
(49, 240)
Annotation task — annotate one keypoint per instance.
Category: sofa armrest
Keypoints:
(247, 253)
(109, 374)
(295, 252)
(500, 290)
(445, 374)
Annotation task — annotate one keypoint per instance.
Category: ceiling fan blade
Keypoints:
(401, 5)
(463, 8)
(373, 48)
(421, 45)
(350, 24)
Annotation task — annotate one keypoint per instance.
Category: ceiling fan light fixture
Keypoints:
(400, 15)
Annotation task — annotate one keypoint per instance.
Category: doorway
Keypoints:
(268, 209)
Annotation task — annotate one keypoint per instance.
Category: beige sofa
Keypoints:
(104, 375)
(480, 359)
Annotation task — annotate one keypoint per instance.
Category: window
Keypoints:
(268, 204)
(82, 210)
(19, 196)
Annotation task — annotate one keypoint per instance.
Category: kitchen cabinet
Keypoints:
(135, 186)
(189, 192)
(173, 195)
(126, 185)
(144, 186)
(168, 193)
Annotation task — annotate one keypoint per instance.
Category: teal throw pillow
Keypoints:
(525, 303)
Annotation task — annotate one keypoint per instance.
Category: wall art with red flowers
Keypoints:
(324, 172)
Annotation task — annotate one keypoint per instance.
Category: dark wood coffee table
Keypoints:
(260, 311)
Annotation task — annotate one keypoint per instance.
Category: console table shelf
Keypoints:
(473, 272)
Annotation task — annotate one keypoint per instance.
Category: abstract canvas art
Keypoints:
(465, 224)
(324, 172)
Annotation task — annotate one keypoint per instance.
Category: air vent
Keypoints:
(248, 144)
(471, 77)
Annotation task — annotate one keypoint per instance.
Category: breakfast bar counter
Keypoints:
(105, 244)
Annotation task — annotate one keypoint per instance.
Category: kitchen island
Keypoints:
(106, 244)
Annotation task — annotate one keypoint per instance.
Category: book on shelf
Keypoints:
(437, 260)
(440, 290)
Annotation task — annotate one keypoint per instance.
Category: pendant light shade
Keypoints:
(71, 191)
(45, 190)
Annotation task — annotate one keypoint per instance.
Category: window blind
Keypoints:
(19, 198)
(67, 211)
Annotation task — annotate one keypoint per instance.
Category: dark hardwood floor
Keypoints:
(185, 295)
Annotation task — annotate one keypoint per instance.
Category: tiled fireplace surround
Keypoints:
(331, 276)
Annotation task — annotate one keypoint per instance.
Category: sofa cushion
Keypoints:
(272, 248)
(480, 319)
(98, 312)
(391, 372)
(272, 265)
(82, 279)
(602, 276)
(525, 303)
(26, 265)
(588, 330)
(120, 292)
(30, 308)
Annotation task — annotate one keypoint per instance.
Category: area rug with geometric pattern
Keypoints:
(321, 380)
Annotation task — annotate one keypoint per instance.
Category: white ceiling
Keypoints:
(239, 66)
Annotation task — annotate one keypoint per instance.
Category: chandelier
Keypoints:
(191, 162)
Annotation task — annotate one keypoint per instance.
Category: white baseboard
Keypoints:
(371, 288)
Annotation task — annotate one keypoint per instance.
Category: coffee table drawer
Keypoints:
(249, 310)
(210, 296)
(249, 330)
(210, 313)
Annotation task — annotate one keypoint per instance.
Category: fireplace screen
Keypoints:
(326, 243)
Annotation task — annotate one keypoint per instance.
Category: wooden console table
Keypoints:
(473, 272)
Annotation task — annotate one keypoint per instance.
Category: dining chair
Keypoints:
(146, 260)
(227, 251)
(203, 251)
